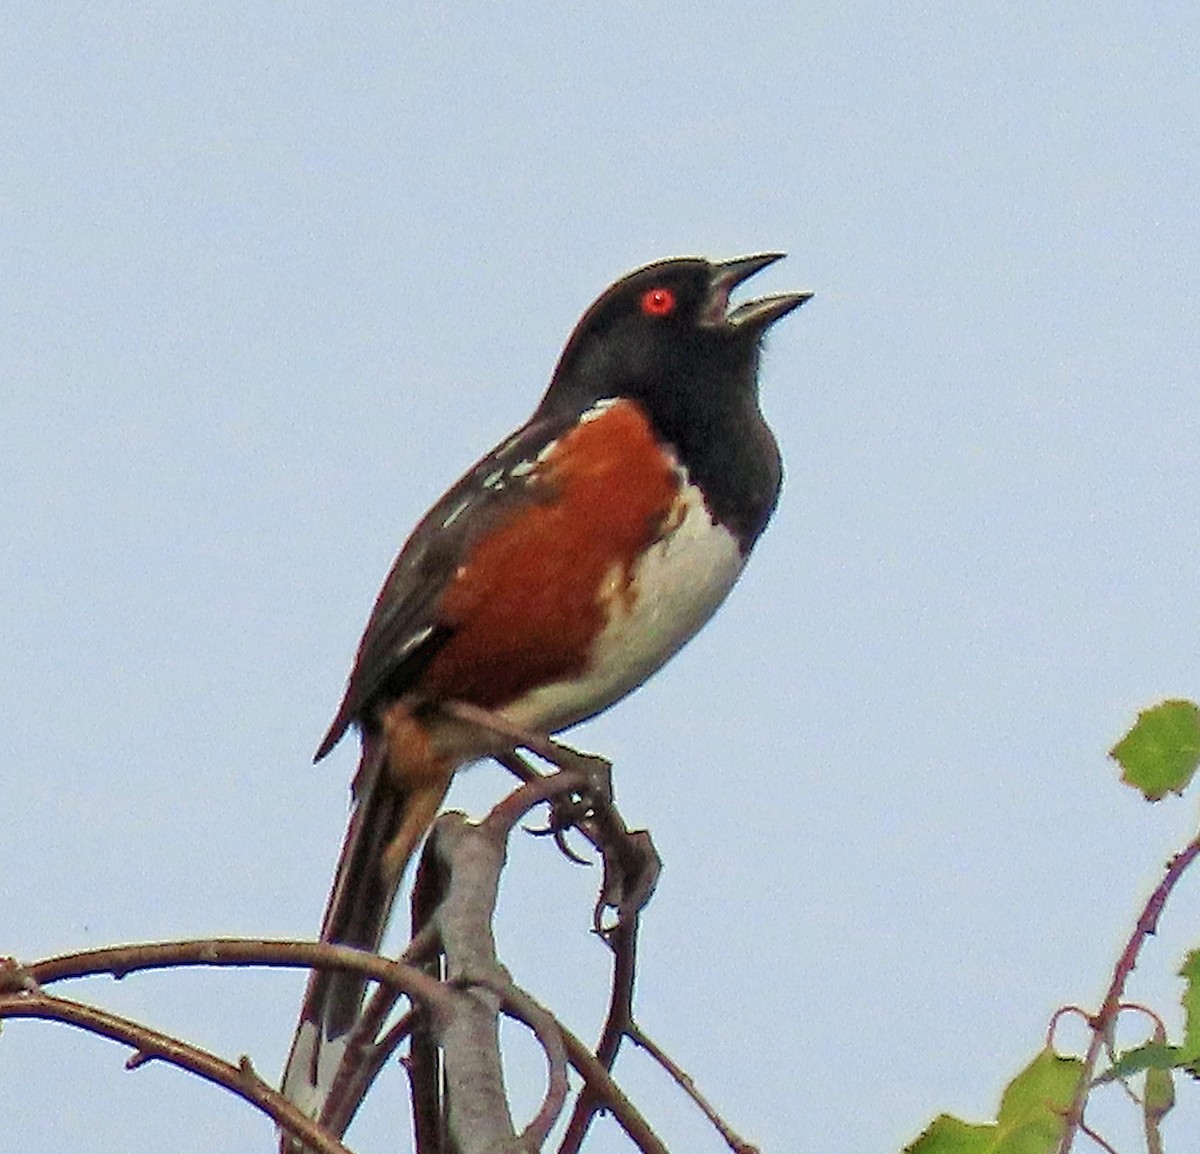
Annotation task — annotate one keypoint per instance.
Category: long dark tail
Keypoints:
(387, 823)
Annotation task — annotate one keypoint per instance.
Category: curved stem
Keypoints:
(1102, 1022)
(150, 1045)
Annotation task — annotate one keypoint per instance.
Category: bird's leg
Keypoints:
(596, 769)
(631, 863)
(569, 810)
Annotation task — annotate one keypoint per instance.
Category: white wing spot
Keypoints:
(494, 480)
(597, 410)
(546, 453)
(456, 512)
(418, 638)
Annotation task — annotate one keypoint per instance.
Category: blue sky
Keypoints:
(275, 275)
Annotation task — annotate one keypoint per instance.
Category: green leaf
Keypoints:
(1158, 1098)
(1160, 1094)
(1190, 1050)
(949, 1135)
(1155, 1055)
(1160, 753)
(1031, 1118)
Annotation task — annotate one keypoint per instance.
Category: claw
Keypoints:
(560, 840)
(558, 831)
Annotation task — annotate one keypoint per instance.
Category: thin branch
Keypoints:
(687, 1084)
(1101, 1023)
(1100, 1141)
(450, 972)
(622, 940)
(150, 1045)
(423, 988)
(599, 1083)
(402, 1028)
(122, 960)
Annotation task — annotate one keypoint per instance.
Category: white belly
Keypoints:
(676, 586)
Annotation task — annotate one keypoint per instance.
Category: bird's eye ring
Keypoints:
(658, 302)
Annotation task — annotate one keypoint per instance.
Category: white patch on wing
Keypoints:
(498, 478)
(676, 587)
(530, 464)
(412, 641)
(456, 512)
(597, 410)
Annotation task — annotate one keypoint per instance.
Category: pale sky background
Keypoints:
(273, 275)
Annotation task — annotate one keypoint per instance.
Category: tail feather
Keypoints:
(360, 902)
(388, 821)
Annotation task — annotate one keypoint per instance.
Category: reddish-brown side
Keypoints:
(530, 597)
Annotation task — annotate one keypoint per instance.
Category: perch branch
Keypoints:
(121, 960)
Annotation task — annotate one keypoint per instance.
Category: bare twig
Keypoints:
(1096, 1137)
(122, 960)
(687, 1084)
(150, 1045)
(622, 940)
(600, 1084)
(399, 977)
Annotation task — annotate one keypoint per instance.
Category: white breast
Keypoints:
(676, 586)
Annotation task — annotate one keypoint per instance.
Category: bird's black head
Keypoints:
(665, 336)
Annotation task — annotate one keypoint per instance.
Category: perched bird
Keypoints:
(557, 575)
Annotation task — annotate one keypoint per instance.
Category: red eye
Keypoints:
(658, 302)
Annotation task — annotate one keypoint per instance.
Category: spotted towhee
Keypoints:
(555, 577)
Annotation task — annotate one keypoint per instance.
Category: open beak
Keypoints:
(752, 314)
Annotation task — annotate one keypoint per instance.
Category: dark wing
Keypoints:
(404, 631)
